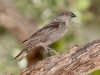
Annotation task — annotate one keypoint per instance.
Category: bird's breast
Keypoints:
(55, 36)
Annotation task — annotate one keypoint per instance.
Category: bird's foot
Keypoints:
(52, 51)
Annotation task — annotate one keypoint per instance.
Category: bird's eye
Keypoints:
(67, 13)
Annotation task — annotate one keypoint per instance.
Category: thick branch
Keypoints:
(80, 60)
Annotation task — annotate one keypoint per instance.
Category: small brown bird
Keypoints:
(52, 32)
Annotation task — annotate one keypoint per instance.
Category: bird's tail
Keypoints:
(23, 53)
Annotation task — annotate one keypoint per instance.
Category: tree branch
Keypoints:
(80, 60)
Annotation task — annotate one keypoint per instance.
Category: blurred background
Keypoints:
(19, 19)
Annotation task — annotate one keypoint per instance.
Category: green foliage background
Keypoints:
(83, 29)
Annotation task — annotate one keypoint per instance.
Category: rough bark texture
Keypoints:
(80, 60)
(20, 26)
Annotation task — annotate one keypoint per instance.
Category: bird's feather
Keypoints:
(43, 31)
(24, 52)
(48, 29)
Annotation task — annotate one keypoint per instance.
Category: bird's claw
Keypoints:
(48, 51)
(52, 51)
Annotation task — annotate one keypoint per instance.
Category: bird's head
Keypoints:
(66, 15)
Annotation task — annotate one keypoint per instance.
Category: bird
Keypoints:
(50, 33)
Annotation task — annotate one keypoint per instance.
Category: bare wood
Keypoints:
(80, 60)
(20, 26)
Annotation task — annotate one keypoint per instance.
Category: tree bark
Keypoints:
(80, 60)
(20, 26)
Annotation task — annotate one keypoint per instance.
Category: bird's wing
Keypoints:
(43, 31)
(48, 29)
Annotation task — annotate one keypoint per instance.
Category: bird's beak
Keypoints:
(73, 15)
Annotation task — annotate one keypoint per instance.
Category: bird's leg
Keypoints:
(46, 50)
(50, 50)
